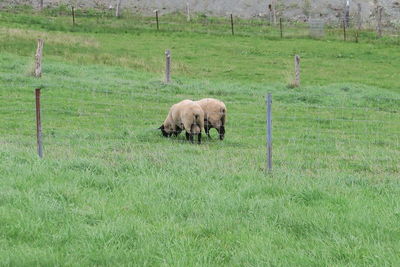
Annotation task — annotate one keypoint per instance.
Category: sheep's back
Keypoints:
(214, 111)
(185, 112)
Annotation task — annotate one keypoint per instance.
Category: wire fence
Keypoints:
(358, 132)
(307, 136)
(348, 28)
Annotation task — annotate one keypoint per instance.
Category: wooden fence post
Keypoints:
(187, 11)
(167, 66)
(273, 7)
(297, 70)
(158, 27)
(118, 9)
(233, 32)
(281, 27)
(269, 132)
(346, 16)
(38, 124)
(379, 22)
(359, 16)
(359, 21)
(344, 30)
(73, 16)
(38, 59)
(270, 14)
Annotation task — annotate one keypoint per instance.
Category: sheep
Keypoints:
(185, 115)
(215, 114)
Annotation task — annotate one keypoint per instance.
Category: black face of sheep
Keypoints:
(177, 132)
(221, 132)
(164, 133)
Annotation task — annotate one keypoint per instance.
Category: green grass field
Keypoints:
(112, 191)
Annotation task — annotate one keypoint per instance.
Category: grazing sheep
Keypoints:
(214, 115)
(185, 115)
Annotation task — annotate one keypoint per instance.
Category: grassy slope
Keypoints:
(112, 191)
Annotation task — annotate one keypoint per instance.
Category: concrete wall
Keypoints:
(290, 9)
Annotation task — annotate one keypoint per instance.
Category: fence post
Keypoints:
(273, 7)
(158, 27)
(41, 5)
(233, 32)
(167, 66)
(344, 30)
(269, 131)
(359, 21)
(73, 16)
(38, 59)
(297, 70)
(347, 14)
(188, 11)
(359, 16)
(38, 124)
(281, 27)
(379, 18)
(270, 14)
(118, 9)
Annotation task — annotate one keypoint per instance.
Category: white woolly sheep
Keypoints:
(215, 114)
(185, 115)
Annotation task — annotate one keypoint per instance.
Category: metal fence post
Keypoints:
(167, 66)
(38, 124)
(269, 131)
(281, 27)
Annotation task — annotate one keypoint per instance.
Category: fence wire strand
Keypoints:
(301, 132)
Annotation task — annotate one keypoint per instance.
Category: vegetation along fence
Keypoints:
(349, 28)
(362, 132)
(357, 130)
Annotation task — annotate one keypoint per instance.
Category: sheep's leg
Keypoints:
(208, 132)
(221, 132)
(199, 138)
(187, 136)
(207, 128)
(191, 138)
